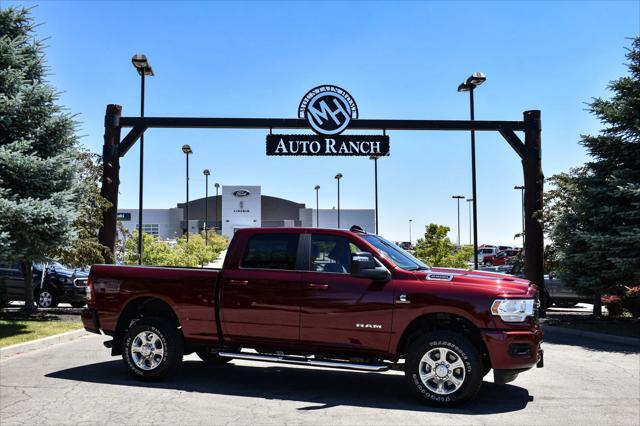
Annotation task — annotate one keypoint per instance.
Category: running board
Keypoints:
(303, 361)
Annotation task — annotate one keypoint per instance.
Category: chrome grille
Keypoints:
(80, 282)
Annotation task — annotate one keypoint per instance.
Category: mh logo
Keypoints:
(328, 109)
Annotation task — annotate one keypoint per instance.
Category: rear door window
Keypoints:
(271, 251)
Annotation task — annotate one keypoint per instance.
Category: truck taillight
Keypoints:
(92, 294)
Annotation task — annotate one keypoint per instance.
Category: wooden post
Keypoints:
(110, 178)
(533, 203)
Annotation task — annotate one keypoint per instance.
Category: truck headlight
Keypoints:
(513, 310)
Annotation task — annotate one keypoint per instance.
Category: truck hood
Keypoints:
(501, 283)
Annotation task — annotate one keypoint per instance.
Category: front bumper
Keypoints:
(514, 349)
(73, 294)
(90, 320)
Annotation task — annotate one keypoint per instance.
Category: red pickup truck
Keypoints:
(327, 298)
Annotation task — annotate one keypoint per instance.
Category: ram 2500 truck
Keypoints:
(327, 298)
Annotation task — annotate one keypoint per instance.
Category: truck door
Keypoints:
(260, 297)
(340, 311)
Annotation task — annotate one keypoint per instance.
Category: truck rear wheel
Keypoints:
(152, 348)
(444, 369)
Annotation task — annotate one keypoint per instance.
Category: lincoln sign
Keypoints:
(328, 110)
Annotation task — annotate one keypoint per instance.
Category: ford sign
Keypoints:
(241, 193)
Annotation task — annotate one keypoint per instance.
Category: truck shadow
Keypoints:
(320, 388)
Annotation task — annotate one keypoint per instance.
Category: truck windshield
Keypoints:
(394, 253)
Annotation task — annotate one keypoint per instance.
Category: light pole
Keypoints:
(206, 174)
(217, 185)
(338, 177)
(141, 65)
(317, 188)
(475, 80)
(470, 200)
(458, 198)
(521, 188)
(187, 150)
(375, 173)
(410, 220)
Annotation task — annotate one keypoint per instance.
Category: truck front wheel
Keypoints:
(444, 369)
(152, 348)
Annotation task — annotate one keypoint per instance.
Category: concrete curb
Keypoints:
(45, 342)
(623, 340)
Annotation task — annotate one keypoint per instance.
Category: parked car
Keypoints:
(327, 298)
(500, 258)
(561, 295)
(485, 252)
(59, 285)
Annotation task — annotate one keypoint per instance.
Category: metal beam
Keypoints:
(299, 123)
(130, 140)
(515, 142)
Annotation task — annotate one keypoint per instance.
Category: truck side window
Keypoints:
(331, 254)
(271, 251)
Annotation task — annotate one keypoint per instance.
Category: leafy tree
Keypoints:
(38, 148)
(595, 221)
(85, 249)
(179, 253)
(436, 249)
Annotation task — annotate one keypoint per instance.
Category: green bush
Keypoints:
(181, 253)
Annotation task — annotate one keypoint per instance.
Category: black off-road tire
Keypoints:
(461, 347)
(212, 359)
(170, 340)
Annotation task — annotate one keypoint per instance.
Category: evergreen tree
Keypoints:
(38, 148)
(596, 226)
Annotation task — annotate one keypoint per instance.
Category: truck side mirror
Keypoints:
(364, 265)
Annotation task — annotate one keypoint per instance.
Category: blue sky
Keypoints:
(398, 60)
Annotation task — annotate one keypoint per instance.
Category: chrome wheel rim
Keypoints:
(442, 371)
(147, 350)
(45, 299)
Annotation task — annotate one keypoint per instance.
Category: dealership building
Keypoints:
(241, 207)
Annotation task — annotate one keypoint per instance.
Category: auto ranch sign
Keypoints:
(328, 111)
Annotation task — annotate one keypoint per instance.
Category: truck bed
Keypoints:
(189, 291)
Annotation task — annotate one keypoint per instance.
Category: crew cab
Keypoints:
(326, 298)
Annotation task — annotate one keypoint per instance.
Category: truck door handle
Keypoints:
(238, 282)
(317, 286)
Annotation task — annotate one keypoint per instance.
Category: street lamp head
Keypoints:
(374, 157)
(469, 200)
(317, 187)
(141, 64)
(459, 197)
(476, 79)
(464, 87)
(217, 185)
(187, 149)
(339, 176)
(206, 172)
(518, 187)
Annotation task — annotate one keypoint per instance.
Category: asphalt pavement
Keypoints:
(583, 382)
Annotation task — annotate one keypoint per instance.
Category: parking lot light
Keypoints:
(187, 150)
(338, 177)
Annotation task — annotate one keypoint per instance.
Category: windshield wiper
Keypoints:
(418, 268)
